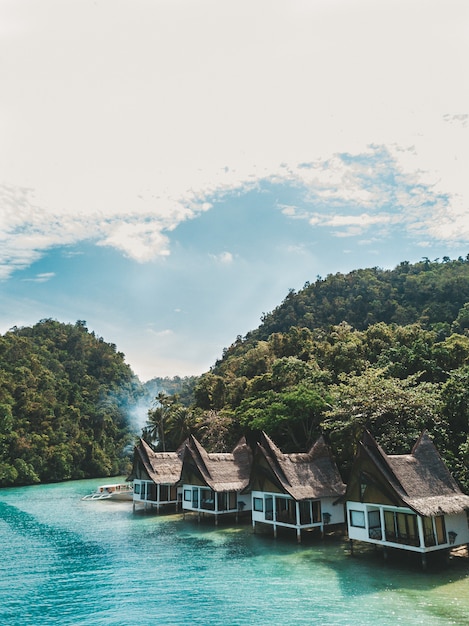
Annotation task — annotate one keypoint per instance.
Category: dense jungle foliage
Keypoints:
(387, 350)
(64, 403)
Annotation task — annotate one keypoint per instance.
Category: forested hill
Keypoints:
(429, 292)
(64, 400)
(382, 349)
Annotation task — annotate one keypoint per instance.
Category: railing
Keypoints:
(375, 533)
(402, 539)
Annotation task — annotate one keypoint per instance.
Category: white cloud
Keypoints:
(288, 210)
(140, 241)
(354, 224)
(457, 118)
(27, 230)
(167, 332)
(41, 278)
(224, 258)
(119, 144)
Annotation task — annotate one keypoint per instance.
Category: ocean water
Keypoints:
(65, 561)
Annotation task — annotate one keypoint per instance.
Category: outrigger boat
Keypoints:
(117, 491)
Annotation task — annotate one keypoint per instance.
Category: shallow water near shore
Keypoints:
(65, 561)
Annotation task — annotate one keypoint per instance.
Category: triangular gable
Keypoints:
(371, 471)
(199, 456)
(272, 455)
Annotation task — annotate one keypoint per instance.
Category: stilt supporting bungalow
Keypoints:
(408, 502)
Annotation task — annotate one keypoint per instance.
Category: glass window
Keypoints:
(187, 495)
(151, 492)
(233, 500)
(137, 488)
(374, 520)
(269, 508)
(440, 529)
(401, 527)
(357, 518)
(207, 499)
(389, 525)
(285, 510)
(316, 511)
(305, 512)
(258, 504)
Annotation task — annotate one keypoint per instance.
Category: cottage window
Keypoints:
(357, 519)
(401, 528)
(269, 508)
(227, 501)
(151, 492)
(374, 525)
(434, 530)
(164, 493)
(373, 519)
(137, 488)
(207, 500)
(316, 511)
(285, 510)
(429, 535)
(440, 529)
(187, 495)
(222, 502)
(233, 499)
(305, 512)
(258, 504)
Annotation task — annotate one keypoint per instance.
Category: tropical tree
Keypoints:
(292, 417)
(396, 411)
(156, 425)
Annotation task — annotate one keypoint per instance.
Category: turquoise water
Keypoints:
(65, 561)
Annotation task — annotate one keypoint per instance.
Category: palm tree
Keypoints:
(179, 425)
(157, 418)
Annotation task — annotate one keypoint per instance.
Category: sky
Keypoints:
(170, 169)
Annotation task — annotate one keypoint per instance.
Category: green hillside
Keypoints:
(64, 400)
(385, 349)
(429, 293)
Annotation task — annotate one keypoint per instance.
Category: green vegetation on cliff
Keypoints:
(64, 400)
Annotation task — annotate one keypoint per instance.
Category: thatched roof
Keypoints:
(312, 474)
(164, 468)
(220, 471)
(420, 479)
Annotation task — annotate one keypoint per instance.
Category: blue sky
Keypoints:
(169, 170)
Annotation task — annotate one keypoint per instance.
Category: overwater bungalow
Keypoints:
(212, 482)
(405, 501)
(296, 491)
(155, 476)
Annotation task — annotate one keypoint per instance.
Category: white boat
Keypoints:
(116, 491)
